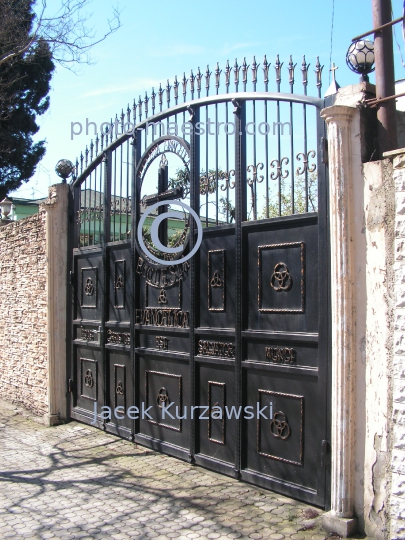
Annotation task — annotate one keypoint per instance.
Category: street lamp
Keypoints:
(360, 58)
(5, 207)
(64, 168)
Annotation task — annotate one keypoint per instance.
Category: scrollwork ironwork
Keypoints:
(119, 389)
(253, 169)
(305, 159)
(279, 165)
(227, 177)
(208, 184)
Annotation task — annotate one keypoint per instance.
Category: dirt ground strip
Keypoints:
(74, 481)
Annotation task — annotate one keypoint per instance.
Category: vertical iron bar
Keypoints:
(240, 216)
(135, 216)
(279, 156)
(266, 143)
(127, 195)
(114, 200)
(120, 214)
(227, 161)
(216, 163)
(103, 276)
(194, 268)
(254, 163)
(305, 157)
(292, 160)
(94, 206)
(206, 164)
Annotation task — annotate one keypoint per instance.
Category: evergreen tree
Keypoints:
(24, 87)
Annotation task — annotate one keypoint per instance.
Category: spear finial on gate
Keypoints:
(192, 79)
(217, 76)
(97, 143)
(278, 67)
(255, 67)
(140, 108)
(236, 70)
(245, 68)
(153, 97)
(176, 89)
(128, 114)
(160, 93)
(265, 68)
(199, 77)
(91, 150)
(134, 112)
(184, 83)
(146, 101)
(168, 88)
(207, 79)
(291, 68)
(318, 73)
(304, 69)
(227, 75)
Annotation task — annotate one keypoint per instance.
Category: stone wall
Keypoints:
(397, 465)
(33, 281)
(23, 308)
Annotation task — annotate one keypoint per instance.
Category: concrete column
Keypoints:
(56, 207)
(339, 120)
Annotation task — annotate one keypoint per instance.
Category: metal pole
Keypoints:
(385, 79)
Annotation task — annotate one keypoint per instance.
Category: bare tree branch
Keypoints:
(66, 31)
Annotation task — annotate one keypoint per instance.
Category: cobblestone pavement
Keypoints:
(74, 481)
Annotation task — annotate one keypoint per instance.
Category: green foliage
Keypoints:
(299, 197)
(24, 86)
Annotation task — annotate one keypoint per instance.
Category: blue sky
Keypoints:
(161, 39)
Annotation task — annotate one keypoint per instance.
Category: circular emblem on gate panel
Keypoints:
(163, 397)
(155, 236)
(279, 426)
(281, 279)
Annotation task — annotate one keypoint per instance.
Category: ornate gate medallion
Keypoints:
(88, 379)
(281, 279)
(163, 397)
(279, 426)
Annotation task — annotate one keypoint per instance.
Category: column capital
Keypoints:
(340, 114)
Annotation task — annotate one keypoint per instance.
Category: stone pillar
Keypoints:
(339, 120)
(56, 207)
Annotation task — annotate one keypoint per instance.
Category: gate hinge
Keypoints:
(70, 386)
(325, 447)
(72, 277)
(324, 150)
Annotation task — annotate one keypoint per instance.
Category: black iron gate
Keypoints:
(221, 359)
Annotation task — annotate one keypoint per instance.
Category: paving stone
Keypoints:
(80, 482)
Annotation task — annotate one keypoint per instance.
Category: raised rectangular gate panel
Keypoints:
(215, 430)
(164, 391)
(87, 276)
(120, 284)
(280, 444)
(281, 270)
(216, 277)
